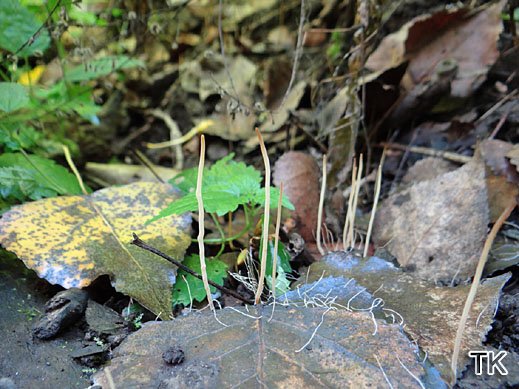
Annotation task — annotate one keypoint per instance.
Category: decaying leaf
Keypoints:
(429, 39)
(253, 351)
(72, 240)
(430, 313)
(121, 174)
(280, 114)
(437, 227)
(300, 176)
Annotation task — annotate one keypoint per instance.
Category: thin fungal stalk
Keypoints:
(350, 205)
(474, 287)
(378, 184)
(266, 220)
(351, 226)
(321, 207)
(276, 242)
(201, 226)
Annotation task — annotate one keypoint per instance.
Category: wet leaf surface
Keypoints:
(429, 313)
(253, 351)
(73, 240)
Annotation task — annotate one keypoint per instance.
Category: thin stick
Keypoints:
(321, 206)
(174, 134)
(459, 158)
(266, 219)
(73, 167)
(350, 205)
(139, 243)
(276, 241)
(475, 283)
(297, 54)
(146, 162)
(378, 183)
(351, 226)
(201, 227)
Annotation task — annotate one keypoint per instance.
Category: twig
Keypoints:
(139, 243)
(266, 217)
(374, 209)
(201, 228)
(455, 157)
(496, 106)
(31, 40)
(320, 210)
(146, 162)
(174, 134)
(222, 51)
(475, 283)
(297, 54)
(73, 167)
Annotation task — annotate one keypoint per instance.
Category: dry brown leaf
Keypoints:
(437, 227)
(500, 194)
(430, 313)
(494, 152)
(300, 176)
(253, 351)
(428, 40)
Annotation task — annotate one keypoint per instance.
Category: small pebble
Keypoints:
(173, 356)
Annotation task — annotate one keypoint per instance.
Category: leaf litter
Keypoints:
(72, 240)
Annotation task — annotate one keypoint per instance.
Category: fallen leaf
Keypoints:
(253, 351)
(279, 115)
(427, 169)
(121, 174)
(437, 227)
(300, 176)
(495, 152)
(429, 39)
(430, 313)
(72, 240)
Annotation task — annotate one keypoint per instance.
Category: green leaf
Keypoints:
(102, 67)
(14, 138)
(19, 183)
(226, 185)
(283, 262)
(259, 198)
(18, 26)
(216, 272)
(46, 173)
(13, 96)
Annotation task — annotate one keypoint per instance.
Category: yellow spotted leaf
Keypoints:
(72, 240)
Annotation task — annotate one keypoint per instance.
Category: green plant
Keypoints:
(35, 118)
(188, 288)
(227, 185)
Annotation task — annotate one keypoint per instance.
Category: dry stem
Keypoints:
(321, 206)
(201, 227)
(266, 219)
(475, 283)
